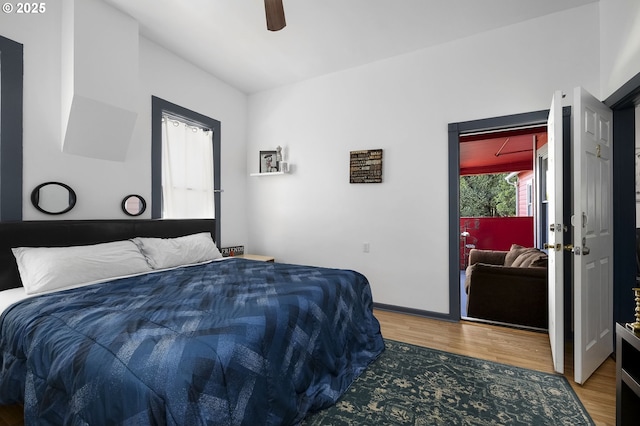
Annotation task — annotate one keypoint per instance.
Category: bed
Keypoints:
(216, 341)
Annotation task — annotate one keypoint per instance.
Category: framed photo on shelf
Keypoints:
(268, 162)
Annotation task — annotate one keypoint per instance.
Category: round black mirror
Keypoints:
(53, 198)
(133, 205)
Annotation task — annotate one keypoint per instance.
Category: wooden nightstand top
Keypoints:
(257, 257)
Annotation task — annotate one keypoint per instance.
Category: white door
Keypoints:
(555, 232)
(592, 230)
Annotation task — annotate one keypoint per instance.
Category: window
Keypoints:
(187, 170)
(190, 173)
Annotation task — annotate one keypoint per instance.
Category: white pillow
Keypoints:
(162, 253)
(43, 269)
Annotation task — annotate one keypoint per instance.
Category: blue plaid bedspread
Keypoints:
(235, 342)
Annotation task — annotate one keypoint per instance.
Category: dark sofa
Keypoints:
(508, 286)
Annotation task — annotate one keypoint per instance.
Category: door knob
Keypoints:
(549, 246)
(568, 247)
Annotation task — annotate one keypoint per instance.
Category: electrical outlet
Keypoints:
(365, 247)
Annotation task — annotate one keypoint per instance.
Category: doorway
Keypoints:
(501, 205)
(623, 103)
(456, 131)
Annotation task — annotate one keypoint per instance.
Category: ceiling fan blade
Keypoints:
(275, 15)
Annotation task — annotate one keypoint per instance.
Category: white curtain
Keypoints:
(187, 171)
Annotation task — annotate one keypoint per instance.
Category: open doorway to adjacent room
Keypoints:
(502, 202)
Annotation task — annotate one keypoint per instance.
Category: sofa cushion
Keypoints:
(515, 251)
(493, 257)
(530, 257)
(541, 262)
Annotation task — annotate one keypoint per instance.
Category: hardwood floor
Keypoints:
(11, 415)
(521, 348)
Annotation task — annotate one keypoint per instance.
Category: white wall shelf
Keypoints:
(267, 174)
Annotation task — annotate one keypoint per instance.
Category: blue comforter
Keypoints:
(235, 342)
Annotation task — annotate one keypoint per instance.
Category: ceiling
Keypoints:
(229, 38)
(500, 152)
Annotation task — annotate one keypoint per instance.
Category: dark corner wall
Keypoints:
(11, 82)
(623, 103)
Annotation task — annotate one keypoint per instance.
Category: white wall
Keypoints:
(620, 46)
(402, 105)
(619, 43)
(164, 75)
(101, 184)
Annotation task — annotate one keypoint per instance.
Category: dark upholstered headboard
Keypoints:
(59, 233)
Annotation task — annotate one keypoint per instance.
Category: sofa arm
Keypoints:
(491, 257)
(507, 294)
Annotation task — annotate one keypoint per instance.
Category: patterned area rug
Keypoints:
(411, 385)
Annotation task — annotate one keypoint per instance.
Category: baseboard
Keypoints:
(416, 312)
(506, 324)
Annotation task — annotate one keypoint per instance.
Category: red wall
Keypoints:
(495, 233)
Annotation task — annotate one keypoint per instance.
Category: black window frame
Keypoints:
(159, 107)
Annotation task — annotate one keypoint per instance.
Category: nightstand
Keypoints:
(257, 257)
(627, 376)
